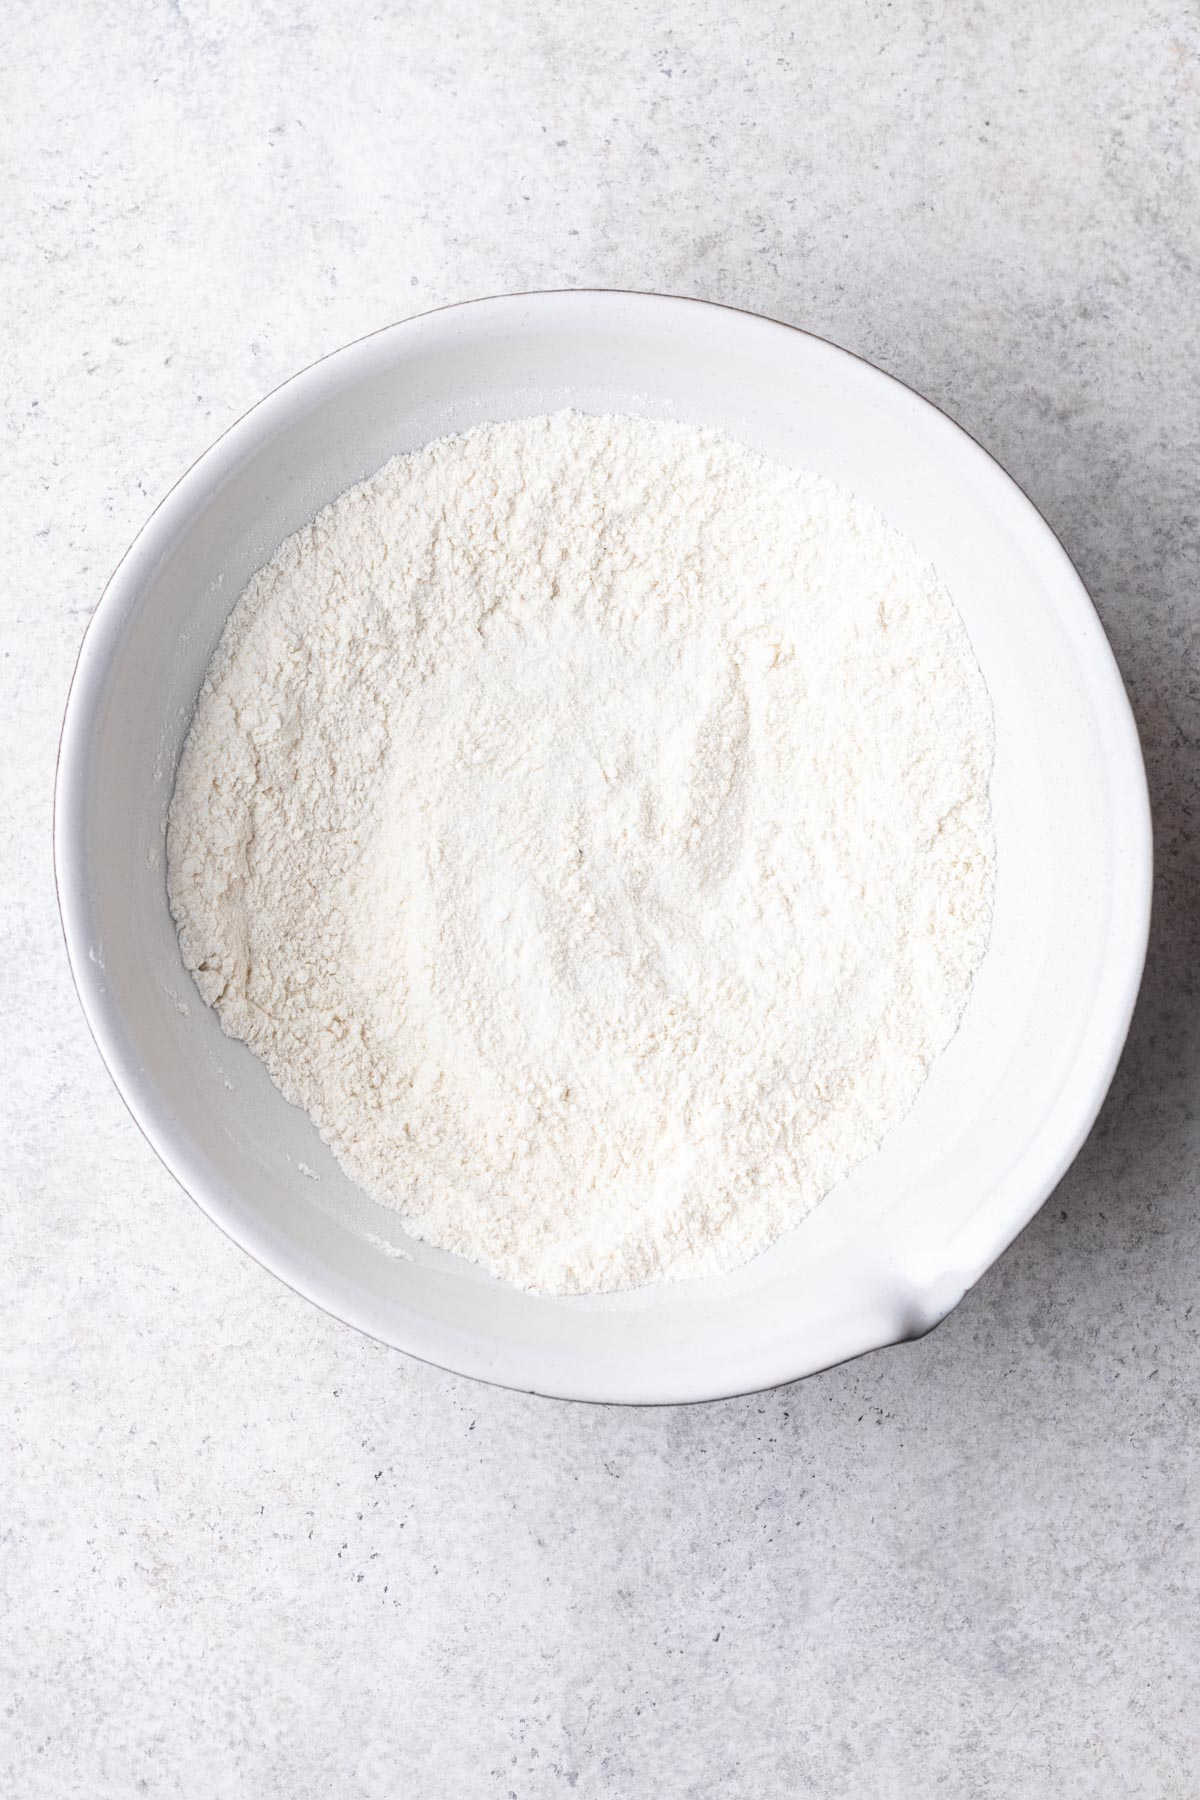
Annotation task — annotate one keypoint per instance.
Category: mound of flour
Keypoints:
(586, 820)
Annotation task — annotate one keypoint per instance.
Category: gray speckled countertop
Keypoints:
(248, 1553)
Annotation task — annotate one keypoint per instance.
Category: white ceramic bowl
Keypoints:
(1008, 1105)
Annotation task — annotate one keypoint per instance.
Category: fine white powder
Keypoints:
(586, 820)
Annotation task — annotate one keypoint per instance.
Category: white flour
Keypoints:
(587, 821)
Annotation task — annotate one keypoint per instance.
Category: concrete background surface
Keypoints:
(246, 1552)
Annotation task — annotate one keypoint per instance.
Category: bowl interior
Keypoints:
(1006, 1107)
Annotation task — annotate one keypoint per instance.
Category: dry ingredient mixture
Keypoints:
(586, 820)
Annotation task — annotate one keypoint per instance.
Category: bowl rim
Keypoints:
(105, 627)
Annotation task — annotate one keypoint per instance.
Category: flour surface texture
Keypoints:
(586, 820)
